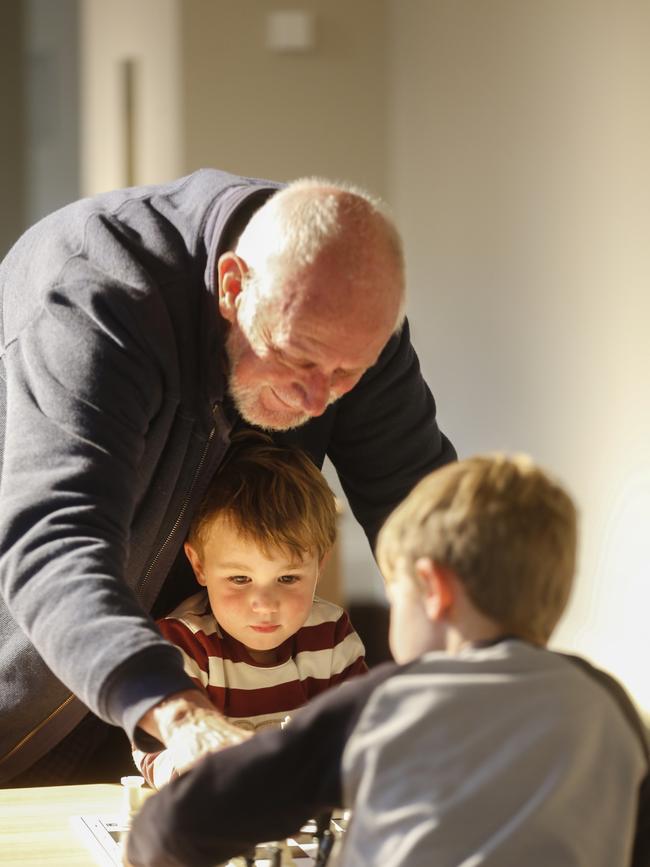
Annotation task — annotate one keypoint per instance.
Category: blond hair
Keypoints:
(272, 495)
(504, 528)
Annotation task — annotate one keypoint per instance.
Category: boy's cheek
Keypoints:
(226, 595)
(400, 630)
(393, 640)
(226, 604)
(296, 606)
(299, 606)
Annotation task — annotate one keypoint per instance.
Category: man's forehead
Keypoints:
(311, 318)
(338, 343)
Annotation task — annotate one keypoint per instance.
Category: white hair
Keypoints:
(313, 215)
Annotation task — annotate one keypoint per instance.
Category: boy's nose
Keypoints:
(264, 602)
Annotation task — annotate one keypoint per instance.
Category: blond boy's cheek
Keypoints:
(395, 645)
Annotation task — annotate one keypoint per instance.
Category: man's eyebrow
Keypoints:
(299, 361)
(306, 362)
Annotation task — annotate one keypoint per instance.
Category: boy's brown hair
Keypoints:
(503, 527)
(273, 495)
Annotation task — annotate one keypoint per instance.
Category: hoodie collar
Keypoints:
(229, 215)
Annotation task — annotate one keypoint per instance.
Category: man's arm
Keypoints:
(385, 436)
(262, 790)
(82, 392)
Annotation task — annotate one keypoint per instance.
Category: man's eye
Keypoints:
(344, 375)
(238, 579)
(289, 579)
(296, 363)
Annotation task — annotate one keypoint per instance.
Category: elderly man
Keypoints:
(139, 329)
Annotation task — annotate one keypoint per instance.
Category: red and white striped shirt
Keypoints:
(324, 652)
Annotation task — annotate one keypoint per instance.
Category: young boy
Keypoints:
(481, 748)
(256, 638)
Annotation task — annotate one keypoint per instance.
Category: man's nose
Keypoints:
(314, 391)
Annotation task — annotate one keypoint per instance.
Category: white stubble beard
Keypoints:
(247, 399)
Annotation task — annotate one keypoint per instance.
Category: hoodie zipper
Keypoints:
(216, 410)
(26, 739)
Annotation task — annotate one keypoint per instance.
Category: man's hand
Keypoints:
(190, 727)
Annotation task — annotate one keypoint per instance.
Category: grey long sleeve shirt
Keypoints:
(498, 756)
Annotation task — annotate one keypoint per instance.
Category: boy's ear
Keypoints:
(324, 560)
(231, 270)
(195, 562)
(439, 591)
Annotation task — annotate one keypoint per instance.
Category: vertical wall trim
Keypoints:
(131, 84)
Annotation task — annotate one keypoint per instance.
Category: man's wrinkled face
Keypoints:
(289, 365)
(259, 385)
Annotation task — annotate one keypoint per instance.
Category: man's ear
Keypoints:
(231, 271)
(439, 590)
(195, 562)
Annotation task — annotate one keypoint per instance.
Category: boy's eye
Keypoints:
(289, 579)
(238, 579)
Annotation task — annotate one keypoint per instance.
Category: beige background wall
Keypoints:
(51, 149)
(257, 112)
(12, 95)
(209, 92)
(519, 142)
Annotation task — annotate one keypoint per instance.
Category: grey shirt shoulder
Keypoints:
(483, 752)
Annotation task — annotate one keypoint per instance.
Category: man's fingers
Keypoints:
(205, 732)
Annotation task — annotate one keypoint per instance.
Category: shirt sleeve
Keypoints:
(264, 789)
(193, 652)
(157, 767)
(641, 856)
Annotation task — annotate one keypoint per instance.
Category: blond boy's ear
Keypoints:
(195, 562)
(438, 587)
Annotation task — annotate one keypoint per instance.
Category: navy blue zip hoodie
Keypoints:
(114, 416)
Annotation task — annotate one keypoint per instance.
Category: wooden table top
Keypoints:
(35, 825)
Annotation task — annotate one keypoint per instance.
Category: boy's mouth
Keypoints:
(265, 627)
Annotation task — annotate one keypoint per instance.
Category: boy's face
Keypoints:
(260, 599)
(412, 632)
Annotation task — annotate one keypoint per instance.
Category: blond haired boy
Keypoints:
(256, 638)
(482, 747)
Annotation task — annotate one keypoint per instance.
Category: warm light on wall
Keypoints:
(619, 636)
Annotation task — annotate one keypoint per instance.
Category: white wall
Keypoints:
(519, 141)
